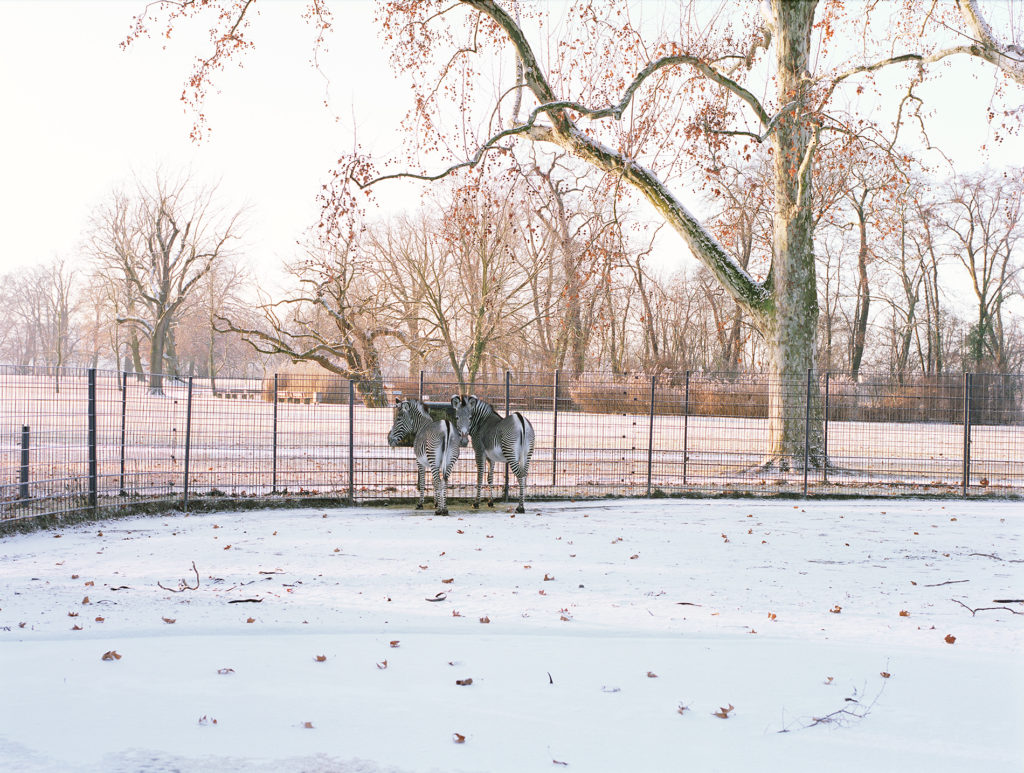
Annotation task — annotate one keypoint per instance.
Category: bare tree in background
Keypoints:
(986, 224)
(331, 317)
(160, 240)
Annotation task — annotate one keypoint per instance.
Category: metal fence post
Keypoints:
(188, 442)
(686, 424)
(23, 492)
(273, 462)
(93, 462)
(554, 436)
(508, 403)
(351, 442)
(421, 385)
(967, 432)
(650, 439)
(124, 430)
(824, 450)
(807, 428)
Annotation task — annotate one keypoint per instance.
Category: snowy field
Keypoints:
(597, 636)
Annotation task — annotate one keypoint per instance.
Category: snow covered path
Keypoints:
(605, 635)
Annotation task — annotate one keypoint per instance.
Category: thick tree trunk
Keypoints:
(790, 327)
(156, 360)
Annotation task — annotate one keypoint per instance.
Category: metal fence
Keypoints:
(92, 442)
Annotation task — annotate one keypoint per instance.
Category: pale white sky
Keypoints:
(81, 116)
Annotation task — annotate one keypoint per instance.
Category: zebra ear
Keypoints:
(456, 399)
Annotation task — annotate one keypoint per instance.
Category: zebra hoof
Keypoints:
(419, 506)
(441, 511)
(490, 504)
(476, 505)
(520, 509)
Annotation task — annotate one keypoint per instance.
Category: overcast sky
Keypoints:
(81, 116)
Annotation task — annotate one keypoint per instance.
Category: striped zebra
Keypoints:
(435, 445)
(495, 439)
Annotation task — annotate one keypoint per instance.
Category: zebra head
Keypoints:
(403, 423)
(465, 414)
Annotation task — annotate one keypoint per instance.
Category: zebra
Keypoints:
(435, 445)
(495, 439)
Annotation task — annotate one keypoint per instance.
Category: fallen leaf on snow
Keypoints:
(836, 609)
(458, 738)
(723, 711)
(463, 682)
(307, 725)
(439, 596)
(485, 619)
(382, 665)
(111, 655)
(225, 671)
(251, 620)
(904, 613)
(651, 675)
(320, 658)
(950, 638)
(449, 581)
(885, 674)
(394, 644)
(548, 577)
(168, 620)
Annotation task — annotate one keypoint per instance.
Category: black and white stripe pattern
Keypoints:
(495, 439)
(435, 446)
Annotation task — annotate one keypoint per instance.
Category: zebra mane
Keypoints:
(418, 407)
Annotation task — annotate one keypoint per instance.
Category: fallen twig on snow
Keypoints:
(183, 584)
(947, 582)
(985, 609)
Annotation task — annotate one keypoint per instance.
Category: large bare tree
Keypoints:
(642, 101)
(158, 242)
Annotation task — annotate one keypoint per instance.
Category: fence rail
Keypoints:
(91, 441)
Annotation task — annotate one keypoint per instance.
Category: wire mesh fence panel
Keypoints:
(76, 441)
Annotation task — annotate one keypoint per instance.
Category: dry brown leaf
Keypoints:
(382, 665)
(394, 644)
(485, 619)
(168, 620)
(836, 609)
(90, 583)
(449, 581)
(307, 725)
(723, 711)
(86, 600)
(828, 679)
(904, 613)
(74, 577)
(251, 620)
(548, 577)
(72, 614)
(458, 738)
(950, 638)
(463, 682)
(76, 627)
(225, 671)
(100, 619)
(111, 655)
(321, 658)
(885, 674)
(651, 675)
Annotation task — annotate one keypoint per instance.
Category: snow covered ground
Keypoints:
(659, 635)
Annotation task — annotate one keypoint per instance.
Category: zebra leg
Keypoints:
(420, 473)
(479, 479)
(440, 493)
(490, 483)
